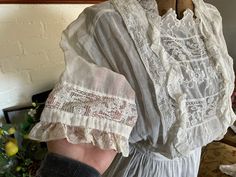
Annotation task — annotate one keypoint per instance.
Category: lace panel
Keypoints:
(87, 103)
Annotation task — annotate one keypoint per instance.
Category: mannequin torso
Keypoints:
(178, 5)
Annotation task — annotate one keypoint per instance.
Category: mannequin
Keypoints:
(178, 5)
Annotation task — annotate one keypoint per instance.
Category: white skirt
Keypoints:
(144, 163)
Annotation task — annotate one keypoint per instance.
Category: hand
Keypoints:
(87, 153)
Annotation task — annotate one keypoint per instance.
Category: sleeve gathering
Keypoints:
(90, 103)
(228, 64)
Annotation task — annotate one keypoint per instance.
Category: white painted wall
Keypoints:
(30, 57)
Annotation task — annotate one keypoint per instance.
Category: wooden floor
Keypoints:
(216, 154)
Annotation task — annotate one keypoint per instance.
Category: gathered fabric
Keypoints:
(145, 163)
(144, 85)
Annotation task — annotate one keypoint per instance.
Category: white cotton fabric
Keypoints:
(154, 88)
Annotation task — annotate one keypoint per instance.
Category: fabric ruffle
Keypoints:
(46, 131)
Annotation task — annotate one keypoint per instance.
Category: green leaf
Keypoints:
(3, 161)
(1, 142)
(9, 174)
(28, 162)
(5, 127)
(30, 120)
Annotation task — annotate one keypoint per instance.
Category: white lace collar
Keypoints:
(143, 22)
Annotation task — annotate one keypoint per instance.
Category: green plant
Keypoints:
(20, 156)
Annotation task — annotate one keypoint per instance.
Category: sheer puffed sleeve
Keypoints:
(91, 103)
(226, 61)
(219, 40)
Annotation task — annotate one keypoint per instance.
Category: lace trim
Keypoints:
(156, 67)
(186, 27)
(44, 131)
(76, 100)
(155, 58)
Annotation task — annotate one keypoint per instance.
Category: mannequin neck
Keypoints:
(178, 5)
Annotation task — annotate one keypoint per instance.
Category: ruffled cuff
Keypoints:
(44, 131)
(86, 116)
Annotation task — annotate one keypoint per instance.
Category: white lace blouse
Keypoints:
(134, 79)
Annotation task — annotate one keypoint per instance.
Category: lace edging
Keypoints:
(45, 131)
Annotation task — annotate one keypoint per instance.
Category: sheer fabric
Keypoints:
(90, 103)
(155, 88)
